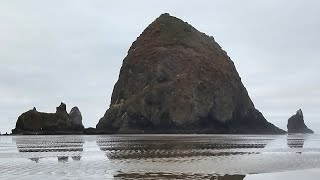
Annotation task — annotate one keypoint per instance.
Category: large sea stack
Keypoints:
(60, 122)
(296, 124)
(176, 79)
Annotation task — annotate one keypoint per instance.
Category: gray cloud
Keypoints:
(71, 51)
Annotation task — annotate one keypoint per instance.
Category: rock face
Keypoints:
(176, 79)
(76, 116)
(296, 124)
(60, 122)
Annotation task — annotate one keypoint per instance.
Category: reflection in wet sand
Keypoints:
(161, 175)
(231, 177)
(63, 159)
(40, 146)
(295, 141)
(168, 147)
(76, 158)
(170, 150)
(219, 157)
(35, 159)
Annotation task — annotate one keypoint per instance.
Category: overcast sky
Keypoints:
(72, 51)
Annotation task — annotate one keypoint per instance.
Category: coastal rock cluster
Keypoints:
(296, 124)
(176, 79)
(60, 122)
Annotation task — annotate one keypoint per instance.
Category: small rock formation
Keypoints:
(75, 114)
(296, 124)
(176, 79)
(60, 122)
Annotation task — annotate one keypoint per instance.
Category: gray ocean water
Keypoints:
(220, 157)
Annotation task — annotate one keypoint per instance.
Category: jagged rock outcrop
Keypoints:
(60, 122)
(75, 115)
(176, 79)
(296, 124)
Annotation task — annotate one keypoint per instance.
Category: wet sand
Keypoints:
(222, 157)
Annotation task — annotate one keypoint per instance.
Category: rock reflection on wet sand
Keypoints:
(219, 157)
(150, 176)
(44, 145)
(179, 146)
(296, 141)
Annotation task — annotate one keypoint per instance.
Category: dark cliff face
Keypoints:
(296, 124)
(60, 122)
(176, 79)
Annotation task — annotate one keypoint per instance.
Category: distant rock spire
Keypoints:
(296, 124)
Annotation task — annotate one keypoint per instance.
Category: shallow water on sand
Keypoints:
(221, 157)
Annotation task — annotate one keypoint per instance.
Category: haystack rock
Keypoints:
(60, 122)
(296, 124)
(176, 79)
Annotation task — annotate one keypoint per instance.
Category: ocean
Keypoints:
(218, 157)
